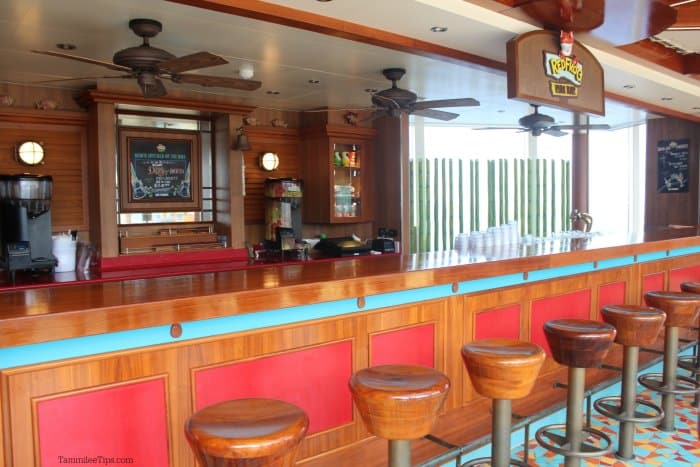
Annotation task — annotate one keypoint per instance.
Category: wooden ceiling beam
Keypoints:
(691, 64)
(688, 16)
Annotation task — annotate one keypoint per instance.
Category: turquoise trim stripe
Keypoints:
(685, 251)
(489, 283)
(615, 262)
(552, 273)
(124, 340)
(655, 256)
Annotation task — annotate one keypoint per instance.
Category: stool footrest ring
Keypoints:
(654, 381)
(560, 445)
(612, 407)
(689, 363)
(487, 461)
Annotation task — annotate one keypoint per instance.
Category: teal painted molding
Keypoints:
(11, 357)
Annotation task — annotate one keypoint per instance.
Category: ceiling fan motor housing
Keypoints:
(394, 96)
(143, 57)
(536, 121)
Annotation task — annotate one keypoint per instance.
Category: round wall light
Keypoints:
(30, 153)
(269, 161)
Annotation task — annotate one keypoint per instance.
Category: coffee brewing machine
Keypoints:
(25, 223)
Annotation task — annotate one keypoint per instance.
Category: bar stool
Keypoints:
(399, 403)
(247, 433)
(636, 326)
(691, 363)
(681, 312)
(502, 370)
(578, 344)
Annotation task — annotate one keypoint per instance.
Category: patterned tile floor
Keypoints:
(652, 446)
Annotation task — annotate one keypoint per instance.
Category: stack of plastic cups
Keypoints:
(64, 248)
(462, 243)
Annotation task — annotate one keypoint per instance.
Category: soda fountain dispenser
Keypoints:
(283, 211)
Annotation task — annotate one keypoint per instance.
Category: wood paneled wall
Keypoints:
(283, 141)
(663, 209)
(64, 136)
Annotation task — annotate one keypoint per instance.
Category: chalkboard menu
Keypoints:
(159, 170)
(673, 165)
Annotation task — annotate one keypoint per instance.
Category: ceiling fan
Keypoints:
(395, 100)
(148, 65)
(537, 123)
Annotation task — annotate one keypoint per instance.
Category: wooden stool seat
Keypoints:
(503, 368)
(247, 432)
(681, 307)
(399, 402)
(636, 325)
(691, 287)
(579, 343)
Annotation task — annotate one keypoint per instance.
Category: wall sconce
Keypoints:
(269, 161)
(242, 143)
(30, 153)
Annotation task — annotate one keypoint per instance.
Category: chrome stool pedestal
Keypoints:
(681, 312)
(578, 344)
(636, 326)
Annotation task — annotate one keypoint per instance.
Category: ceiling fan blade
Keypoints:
(78, 79)
(376, 115)
(501, 128)
(436, 114)
(465, 102)
(191, 62)
(109, 65)
(600, 126)
(157, 89)
(555, 132)
(218, 81)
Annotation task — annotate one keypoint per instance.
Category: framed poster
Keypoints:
(159, 170)
(673, 165)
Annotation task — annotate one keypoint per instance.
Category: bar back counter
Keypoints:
(112, 370)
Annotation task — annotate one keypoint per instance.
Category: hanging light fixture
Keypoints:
(242, 143)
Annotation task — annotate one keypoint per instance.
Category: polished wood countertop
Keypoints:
(51, 313)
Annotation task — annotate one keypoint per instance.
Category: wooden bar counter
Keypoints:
(112, 370)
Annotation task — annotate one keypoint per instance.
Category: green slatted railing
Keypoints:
(449, 196)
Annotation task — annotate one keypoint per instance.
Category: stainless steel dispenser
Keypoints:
(25, 222)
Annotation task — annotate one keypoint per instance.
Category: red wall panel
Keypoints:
(315, 379)
(501, 322)
(410, 346)
(572, 305)
(611, 294)
(676, 276)
(127, 422)
(652, 282)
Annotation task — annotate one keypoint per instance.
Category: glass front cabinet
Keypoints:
(337, 175)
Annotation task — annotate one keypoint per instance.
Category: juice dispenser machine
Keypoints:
(283, 211)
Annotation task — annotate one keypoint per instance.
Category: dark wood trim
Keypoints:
(144, 113)
(657, 109)
(579, 167)
(285, 16)
(95, 95)
(53, 117)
